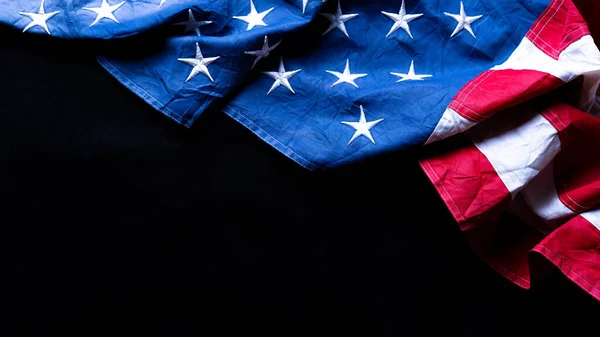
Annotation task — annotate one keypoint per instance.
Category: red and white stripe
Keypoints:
(542, 164)
(557, 49)
(593, 217)
(541, 197)
(574, 250)
(549, 156)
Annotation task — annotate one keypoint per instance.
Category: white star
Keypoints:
(104, 11)
(401, 20)
(39, 18)
(464, 21)
(162, 2)
(411, 76)
(262, 53)
(254, 18)
(192, 24)
(304, 3)
(281, 77)
(362, 127)
(199, 63)
(346, 76)
(338, 19)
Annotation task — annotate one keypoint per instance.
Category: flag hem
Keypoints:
(141, 93)
(267, 138)
(441, 190)
(566, 270)
(508, 273)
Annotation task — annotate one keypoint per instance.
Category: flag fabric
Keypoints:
(332, 82)
(542, 165)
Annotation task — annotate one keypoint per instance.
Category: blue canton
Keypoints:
(325, 83)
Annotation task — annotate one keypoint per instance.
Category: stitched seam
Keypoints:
(438, 180)
(115, 70)
(568, 204)
(539, 39)
(557, 118)
(483, 79)
(549, 46)
(549, 19)
(444, 194)
(474, 85)
(550, 120)
(536, 35)
(268, 134)
(548, 9)
(465, 116)
(469, 84)
(573, 31)
(509, 270)
(574, 202)
(473, 111)
(564, 202)
(563, 263)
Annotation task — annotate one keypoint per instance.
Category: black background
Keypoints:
(118, 222)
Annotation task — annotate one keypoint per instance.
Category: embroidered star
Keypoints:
(362, 127)
(191, 24)
(262, 53)
(254, 18)
(411, 76)
(199, 64)
(463, 21)
(39, 19)
(346, 76)
(401, 20)
(105, 11)
(162, 2)
(304, 3)
(338, 20)
(281, 77)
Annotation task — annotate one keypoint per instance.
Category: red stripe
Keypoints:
(574, 248)
(577, 166)
(504, 245)
(559, 25)
(496, 90)
(559, 115)
(476, 197)
(468, 184)
(473, 191)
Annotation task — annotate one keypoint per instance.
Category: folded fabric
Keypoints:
(329, 83)
(542, 165)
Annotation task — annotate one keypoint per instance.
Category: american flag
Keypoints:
(329, 83)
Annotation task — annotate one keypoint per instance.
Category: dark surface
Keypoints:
(117, 222)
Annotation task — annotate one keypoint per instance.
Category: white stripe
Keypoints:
(521, 209)
(518, 147)
(528, 57)
(542, 198)
(593, 217)
(450, 124)
(579, 58)
(583, 58)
